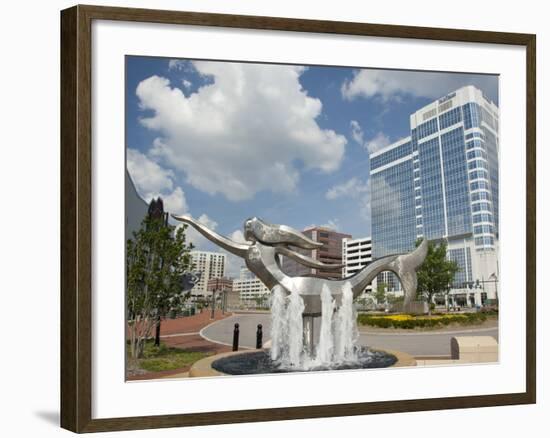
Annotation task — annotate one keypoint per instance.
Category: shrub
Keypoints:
(404, 321)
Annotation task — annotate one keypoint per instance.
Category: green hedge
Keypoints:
(422, 321)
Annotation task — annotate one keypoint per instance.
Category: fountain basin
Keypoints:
(259, 362)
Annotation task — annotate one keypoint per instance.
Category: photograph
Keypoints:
(286, 218)
(268, 220)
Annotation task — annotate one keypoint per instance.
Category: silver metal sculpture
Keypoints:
(267, 243)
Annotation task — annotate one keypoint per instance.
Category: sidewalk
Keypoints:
(190, 324)
(184, 333)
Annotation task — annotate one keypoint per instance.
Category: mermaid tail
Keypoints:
(402, 265)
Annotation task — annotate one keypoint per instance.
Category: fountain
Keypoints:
(313, 319)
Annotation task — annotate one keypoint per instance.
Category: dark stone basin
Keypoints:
(260, 363)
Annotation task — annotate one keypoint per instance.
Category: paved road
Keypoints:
(418, 344)
(222, 331)
(421, 344)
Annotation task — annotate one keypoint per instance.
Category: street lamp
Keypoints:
(481, 285)
(213, 310)
(494, 279)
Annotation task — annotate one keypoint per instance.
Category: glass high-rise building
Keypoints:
(441, 183)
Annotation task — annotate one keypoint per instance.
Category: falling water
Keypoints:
(346, 328)
(295, 330)
(278, 322)
(287, 343)
(325, 348)
(338, 332)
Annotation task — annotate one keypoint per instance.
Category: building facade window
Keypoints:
(450, 118)
(427, 128)
(431, 181)
(391, 155)
(444, 186)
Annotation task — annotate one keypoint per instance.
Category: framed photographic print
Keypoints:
(320, 209)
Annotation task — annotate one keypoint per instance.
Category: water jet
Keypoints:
(313, 319)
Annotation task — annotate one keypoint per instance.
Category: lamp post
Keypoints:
(224, 300)
(494, 279)
(480, 284)
(213, 310)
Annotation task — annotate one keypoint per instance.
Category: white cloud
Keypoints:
(207, 221)
(173, 64)
(353, 188)
(147, 175)
(198, 240)
(175, 201)
(237, 236)
(392, 84)
(252, 129)
(357, 132)
(152, 180)
(186, 83)
(379, 141)
(333, 224)
(179, 64)
(234, 263)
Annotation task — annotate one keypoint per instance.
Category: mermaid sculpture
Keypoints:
(267, 243)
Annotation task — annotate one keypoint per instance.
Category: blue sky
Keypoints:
(226, 141)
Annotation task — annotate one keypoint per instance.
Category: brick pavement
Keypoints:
(187, 328)
(190, 324)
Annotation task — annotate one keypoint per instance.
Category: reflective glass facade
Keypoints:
(392, 155)
(463, 258)
(431, 182)
(459, 218)
(395, 223)
(442, 182)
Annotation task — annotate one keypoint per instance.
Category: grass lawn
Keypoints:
(164, 358)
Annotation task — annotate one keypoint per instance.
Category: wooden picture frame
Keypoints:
(76, 217)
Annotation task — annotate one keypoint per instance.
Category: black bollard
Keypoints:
(259, 336)
(236, 337)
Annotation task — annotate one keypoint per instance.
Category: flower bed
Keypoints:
(405, 321)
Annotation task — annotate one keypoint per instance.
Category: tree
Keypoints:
(436, 274)
(366, 302)
(156, 259)
(393, 299)
(259, 300)
(380, 294)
